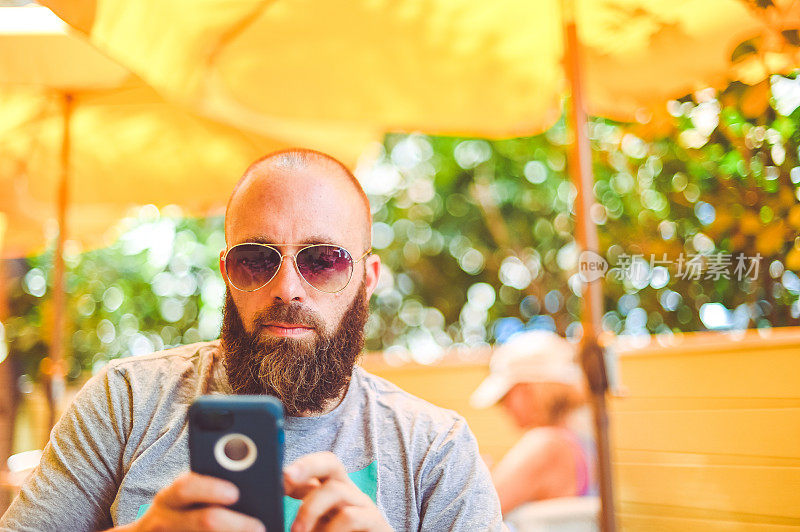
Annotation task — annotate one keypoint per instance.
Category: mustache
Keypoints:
(290, 313)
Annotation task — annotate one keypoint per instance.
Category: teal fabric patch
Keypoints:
(366, 479)
(142, 509)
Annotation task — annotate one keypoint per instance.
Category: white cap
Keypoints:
(530, 356)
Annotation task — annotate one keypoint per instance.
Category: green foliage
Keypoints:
(158, 286)
(715, 180)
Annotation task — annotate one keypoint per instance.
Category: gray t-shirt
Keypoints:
(125, 437)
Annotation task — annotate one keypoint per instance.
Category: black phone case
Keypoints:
(260, 418)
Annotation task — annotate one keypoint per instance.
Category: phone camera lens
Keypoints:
(235, 452)
(236, 449)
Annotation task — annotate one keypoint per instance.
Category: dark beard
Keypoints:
(303, 374)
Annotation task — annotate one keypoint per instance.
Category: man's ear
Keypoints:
(372, 264)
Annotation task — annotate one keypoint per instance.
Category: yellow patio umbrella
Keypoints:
(444, 66)
(440, 66)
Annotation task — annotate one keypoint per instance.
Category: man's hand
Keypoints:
(195, 502)
(330, 499)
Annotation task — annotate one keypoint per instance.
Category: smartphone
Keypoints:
(240, 438)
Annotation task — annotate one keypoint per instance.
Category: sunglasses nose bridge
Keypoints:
(294, 263)
(293, 257)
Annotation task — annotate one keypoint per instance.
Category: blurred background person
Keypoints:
(535, 377)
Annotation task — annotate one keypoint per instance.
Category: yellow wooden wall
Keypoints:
(707, 436)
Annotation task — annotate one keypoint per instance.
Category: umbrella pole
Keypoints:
(591, 353)
(55, 389)
(8, 385)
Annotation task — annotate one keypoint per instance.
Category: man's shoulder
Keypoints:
(403, 404)
(166, 357)
(176, 365)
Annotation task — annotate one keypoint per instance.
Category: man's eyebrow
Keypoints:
(315, 239)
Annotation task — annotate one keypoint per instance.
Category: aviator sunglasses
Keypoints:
(327, 268)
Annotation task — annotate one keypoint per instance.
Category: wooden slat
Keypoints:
(771, 491)
(759, 432)
(708, 342)
(758, 373)
(638, 456)
(649, 515)
(659, 523)
(649, 404)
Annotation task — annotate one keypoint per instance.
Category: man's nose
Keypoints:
(287, 283)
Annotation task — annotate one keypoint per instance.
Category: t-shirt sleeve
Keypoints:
(77, 478)
(457, 490)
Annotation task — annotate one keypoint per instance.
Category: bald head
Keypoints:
(294, 170)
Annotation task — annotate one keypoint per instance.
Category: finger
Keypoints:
(193, 488)
(299, 491)
(352, 518)
(322, 465)
(331, 495)
(219, 518)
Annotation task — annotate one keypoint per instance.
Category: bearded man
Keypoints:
(362, 454)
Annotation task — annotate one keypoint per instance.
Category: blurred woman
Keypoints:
(535, 377)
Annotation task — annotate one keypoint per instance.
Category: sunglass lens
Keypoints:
(250, 266)
(326, 268)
